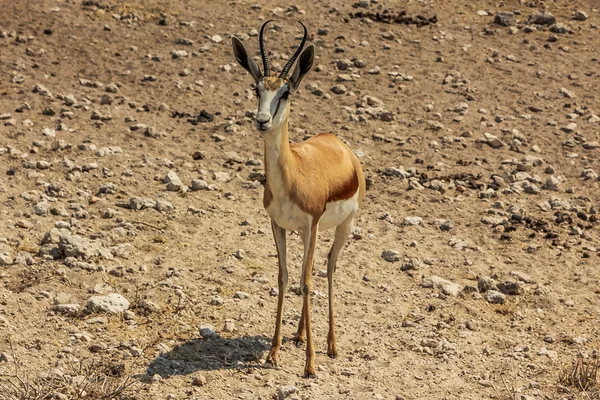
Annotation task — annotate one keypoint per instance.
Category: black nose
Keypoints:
(263, 118)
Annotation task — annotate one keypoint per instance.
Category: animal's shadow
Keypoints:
(209, 354)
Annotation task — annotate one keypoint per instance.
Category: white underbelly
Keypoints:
(290, 217)
(336, 212)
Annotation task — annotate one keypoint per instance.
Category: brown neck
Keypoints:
(278, 158)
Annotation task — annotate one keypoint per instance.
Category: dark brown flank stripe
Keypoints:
(345, 191)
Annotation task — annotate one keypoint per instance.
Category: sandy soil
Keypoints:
(479, 142)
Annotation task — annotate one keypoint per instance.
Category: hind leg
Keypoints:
(341, 235)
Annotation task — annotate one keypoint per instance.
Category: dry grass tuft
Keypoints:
(582, 376)
(87, 379)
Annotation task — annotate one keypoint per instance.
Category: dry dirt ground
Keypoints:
(479, 141)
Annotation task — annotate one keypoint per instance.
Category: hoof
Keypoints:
(271, 361)
(332, 353)
(310, 373)
(298, 340)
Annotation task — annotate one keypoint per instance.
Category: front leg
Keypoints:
(309, 239)
(279, 235)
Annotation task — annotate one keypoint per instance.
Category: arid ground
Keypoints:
(137, 261)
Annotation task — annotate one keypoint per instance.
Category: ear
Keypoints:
(241, 56)
(304, 64)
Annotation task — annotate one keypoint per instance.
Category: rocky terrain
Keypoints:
(137, 261)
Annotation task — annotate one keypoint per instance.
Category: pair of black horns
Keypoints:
(288, 65)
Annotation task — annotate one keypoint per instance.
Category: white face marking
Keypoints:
(272, 106)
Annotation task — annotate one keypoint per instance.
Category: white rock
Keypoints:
(286, 391)
(411, 221)
(173, 182)
(5, 259)
(48, 132)
(112, 303)
(494, 297)
(580, 16)
(447, 287)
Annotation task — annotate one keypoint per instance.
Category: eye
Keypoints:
(285, 95)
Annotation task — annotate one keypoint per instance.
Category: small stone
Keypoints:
(412, 221)
(229, 326)
(106, 99)
(485, 283)
(552, 183)
(284, 392)
(494, 297)
(472, 325)
(542, 18)
(49, 132)
(412, 265)
(567, 93)
(42, 91)
(112, 88)
(221, 176)
(560, 28)
(446, 225)
(148, 306)
(339, 89)
(531, 188)
(111, 303)
(5, 259)
(98, 347)
(176, 54)
(492, 141)
(173, 182)
(523, 277)
(163, 206)
(217, 38)
(199, 380)
(207, 331)
(239, 254)
(511, 288)
(41, 208)
(67, 309)
(390, 255)
(23, 223)
(199, 184)
(589, 174)
(580, 16)
(505, 18)
(447, 287)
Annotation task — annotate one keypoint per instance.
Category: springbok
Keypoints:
(311, 186)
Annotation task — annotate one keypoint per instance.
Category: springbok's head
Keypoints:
(273, 92)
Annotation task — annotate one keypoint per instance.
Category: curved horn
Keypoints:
(289, 64)
(261, 43)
